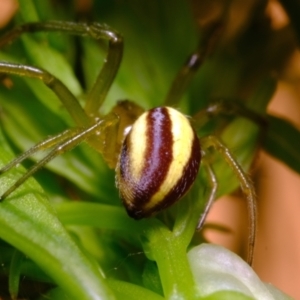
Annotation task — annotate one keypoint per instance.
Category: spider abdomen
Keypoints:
(158, 163)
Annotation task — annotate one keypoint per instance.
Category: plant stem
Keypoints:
(170, 255)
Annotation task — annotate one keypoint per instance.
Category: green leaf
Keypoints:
(151, 279)
(128, 291)
(292, 8)
(14, 273)
(98, 215)
(158, 36)
(216, 270)
(282, 140)
(29, 223)
(40, 54)
(227, 295)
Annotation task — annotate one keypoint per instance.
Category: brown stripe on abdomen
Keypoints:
(156, 161)
(158, 155)
(186, 179)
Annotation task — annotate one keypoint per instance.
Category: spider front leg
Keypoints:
(246, 186)
(208, 42)
(61, 91)
(60, 143)
(106, 140)
(98, 92)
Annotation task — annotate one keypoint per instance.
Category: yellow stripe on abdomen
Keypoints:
(183, 137)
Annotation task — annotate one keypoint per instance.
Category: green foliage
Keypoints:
(90, 249)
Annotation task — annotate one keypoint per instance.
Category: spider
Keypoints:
(156, 153)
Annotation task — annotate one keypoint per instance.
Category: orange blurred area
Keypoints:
(8, 9)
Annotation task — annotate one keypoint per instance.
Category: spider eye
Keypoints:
(158, 163)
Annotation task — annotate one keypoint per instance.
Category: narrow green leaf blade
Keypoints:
(29, 223)
(282, 141)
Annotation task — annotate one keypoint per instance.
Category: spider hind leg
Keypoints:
(245, 183)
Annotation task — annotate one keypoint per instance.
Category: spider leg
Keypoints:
(183, 78)
(65, 144)
(212, 195)
(61, 91)
(97, 31)
(246, 186)
(227, 107)
(43, 145)
(69, 101)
